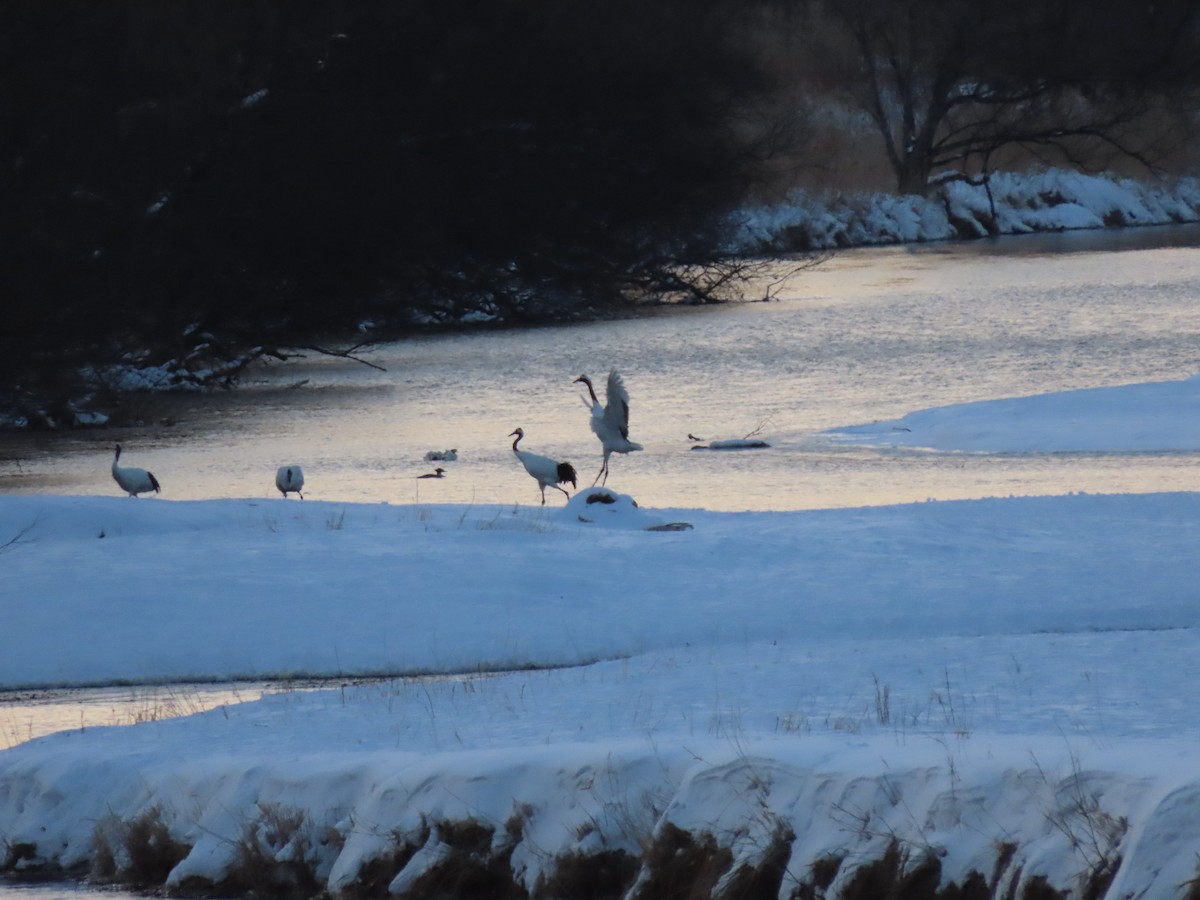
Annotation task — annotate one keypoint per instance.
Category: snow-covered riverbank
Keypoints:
(990, 693)
(1012, 203)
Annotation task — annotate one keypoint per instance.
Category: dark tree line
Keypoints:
(178, 174)
(213, 179)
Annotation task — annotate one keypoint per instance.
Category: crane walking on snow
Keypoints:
(548, 472)
(133, 481)
(610, 423)
(289, 479)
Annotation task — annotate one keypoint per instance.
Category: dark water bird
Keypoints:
(436, 473)
(610, 422)
(133, 481)
(548, 472)
(289, 479)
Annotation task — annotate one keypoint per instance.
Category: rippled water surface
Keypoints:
(872, 334)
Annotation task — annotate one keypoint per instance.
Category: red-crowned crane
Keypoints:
(548, 472)
(289, 480)
(133, 481)
(610, 423)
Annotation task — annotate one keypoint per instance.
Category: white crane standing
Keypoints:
(611, 422)
(133, 481)
(548, 472)
(289, 479)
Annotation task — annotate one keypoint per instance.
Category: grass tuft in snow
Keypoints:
(460, 860)
(513, 521)
(279, 854)
(883, 695)
(681, 864)
(898, 873)
(170, 703)
(765, 878)
(375, 874)
(608, 873)
(23, 856)
(1091, 831)
(823, 869)
(138, 851)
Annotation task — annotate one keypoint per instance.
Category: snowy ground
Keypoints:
(1128, 418)
(1003, 686)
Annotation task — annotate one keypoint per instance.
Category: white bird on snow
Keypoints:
(548, 472)
(610, 423)
(289, 479)
(132, 480)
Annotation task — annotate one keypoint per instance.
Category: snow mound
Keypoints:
(605, 507)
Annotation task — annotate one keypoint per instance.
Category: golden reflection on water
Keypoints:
(26, 715)
(871, 335)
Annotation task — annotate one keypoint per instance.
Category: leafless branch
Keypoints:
(348, 353)
(758, 429)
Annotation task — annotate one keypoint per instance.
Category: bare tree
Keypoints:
(948, 84)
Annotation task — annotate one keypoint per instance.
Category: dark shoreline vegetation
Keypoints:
(475, 862)
(191, 187)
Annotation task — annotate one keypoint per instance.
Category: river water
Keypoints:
(25, 714)
(871, 334)
(10, 890)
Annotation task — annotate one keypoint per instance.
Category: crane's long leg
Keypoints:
(543, 489)
(564, 490)
(603, 471)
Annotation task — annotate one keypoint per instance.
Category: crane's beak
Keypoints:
(579, 379)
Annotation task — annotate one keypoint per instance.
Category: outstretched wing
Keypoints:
(616, 410)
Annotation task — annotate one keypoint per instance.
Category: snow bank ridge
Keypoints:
(632, 823)
(1013, 203)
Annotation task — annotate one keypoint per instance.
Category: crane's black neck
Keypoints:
(591, 391)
